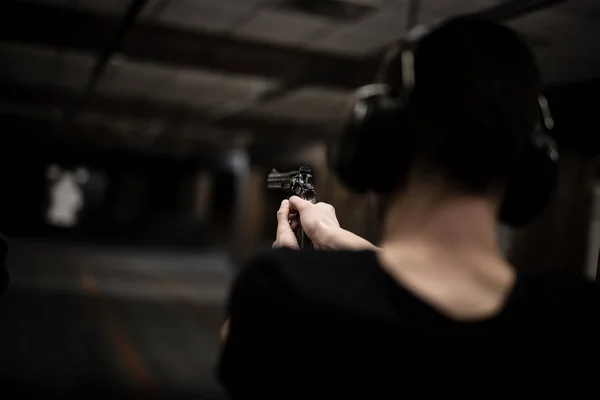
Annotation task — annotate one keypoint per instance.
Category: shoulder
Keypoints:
(286, 264)
(306, 274)
(555, 283)
(563, 296)
(286, 258)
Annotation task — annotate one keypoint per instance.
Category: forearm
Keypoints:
(341, 239)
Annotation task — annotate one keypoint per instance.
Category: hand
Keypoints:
(286, 227)
(322, 227)
(318, 221)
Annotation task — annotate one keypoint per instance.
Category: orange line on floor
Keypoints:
(215, 319)
(131, 360)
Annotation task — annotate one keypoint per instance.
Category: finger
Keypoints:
(283, 213)
(283, 223)
(298, 204)
(294, 225)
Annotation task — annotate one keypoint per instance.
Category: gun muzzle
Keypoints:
(281, 186)
(279, 180)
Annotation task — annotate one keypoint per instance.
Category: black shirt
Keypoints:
(335, 325)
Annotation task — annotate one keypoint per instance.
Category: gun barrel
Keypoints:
(278, 184)
(282, 185)
(279, 178)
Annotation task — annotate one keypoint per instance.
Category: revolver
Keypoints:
(295, 183)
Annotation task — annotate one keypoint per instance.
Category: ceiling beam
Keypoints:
(364, 72)
(23, 135)
(152, 42)
(170, 120)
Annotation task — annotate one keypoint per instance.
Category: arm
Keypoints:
(329, 236)
(341, 239)
(322, 227)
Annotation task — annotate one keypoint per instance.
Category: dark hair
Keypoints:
(474, 105)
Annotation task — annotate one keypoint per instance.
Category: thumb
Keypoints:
(299, 204)
(283, 214)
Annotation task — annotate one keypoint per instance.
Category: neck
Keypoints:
(445, 250)
(454, 224)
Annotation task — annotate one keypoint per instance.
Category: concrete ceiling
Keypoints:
(258, 59)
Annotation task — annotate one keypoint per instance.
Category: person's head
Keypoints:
(466, 127)
(473, 107)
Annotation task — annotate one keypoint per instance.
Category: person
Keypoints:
(435, 308)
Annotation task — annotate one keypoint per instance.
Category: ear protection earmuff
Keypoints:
(376, 146)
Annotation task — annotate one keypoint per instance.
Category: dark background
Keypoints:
(134, 198)
(155, 97)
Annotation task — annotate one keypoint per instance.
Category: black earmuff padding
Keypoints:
(366, 157)
(530, 185)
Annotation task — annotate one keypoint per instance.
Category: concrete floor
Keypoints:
(101, 322)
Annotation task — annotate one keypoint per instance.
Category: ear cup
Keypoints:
(531, 182)
(365, 156)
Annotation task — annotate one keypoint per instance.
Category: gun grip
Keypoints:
(303, 240)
